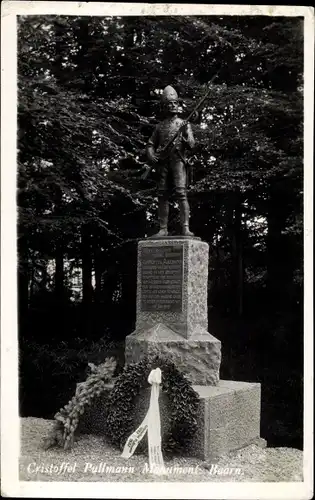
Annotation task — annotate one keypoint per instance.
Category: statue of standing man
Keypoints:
(172, 170)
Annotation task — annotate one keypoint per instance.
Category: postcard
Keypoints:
(156, 237)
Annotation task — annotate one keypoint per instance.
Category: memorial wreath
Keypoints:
(183, 403)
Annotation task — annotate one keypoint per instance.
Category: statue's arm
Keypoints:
(189, 136)
(152, 145)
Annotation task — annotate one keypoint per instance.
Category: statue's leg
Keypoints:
(179, 175)
(163, 203)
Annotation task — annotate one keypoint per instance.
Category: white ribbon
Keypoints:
(151, 424)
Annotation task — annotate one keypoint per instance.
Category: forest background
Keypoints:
(88, 99)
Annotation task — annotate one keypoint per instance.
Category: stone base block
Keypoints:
(197, 358)
(229, 418)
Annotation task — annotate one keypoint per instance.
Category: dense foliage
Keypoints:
(88, 100)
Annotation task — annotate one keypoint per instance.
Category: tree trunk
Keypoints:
(276, 254)
(23, 284)
(32, 282)
(237, 254)
(87, 289)
(44, 274)
(98, 269)
(239, 271)
(59, 272)
(240, 280)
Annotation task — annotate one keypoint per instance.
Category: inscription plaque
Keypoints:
(162, 279)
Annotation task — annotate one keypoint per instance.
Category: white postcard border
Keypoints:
(11, 486)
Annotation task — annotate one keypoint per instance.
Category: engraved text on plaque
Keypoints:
(162, 279)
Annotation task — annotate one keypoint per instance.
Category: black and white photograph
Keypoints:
(156, 291)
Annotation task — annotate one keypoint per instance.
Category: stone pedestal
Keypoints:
(198, 358)
(172, 286)
(172, 320)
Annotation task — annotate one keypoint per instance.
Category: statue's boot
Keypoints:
(162, 232)
(184, 218)
(163, 217)
(186, 231)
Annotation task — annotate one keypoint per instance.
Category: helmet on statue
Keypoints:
(169, 94)
(169, 101)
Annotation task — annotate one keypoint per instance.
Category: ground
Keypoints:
(93, 459)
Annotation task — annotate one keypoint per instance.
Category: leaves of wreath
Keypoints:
(183, 400)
